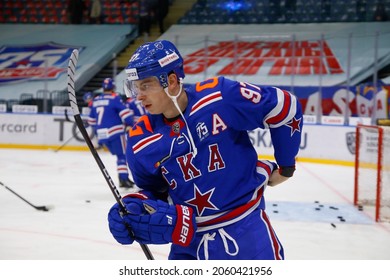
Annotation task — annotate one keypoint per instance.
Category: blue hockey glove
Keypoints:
(117, 225)
(160, 223)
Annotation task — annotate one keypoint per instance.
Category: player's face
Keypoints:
(146, 86)
(152, 95)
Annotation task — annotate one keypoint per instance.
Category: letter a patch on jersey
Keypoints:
(218, 124)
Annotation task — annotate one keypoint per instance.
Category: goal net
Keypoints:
(372, 170)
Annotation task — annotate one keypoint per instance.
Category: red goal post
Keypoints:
(372, 170)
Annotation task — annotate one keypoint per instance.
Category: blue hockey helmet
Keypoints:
(87, 96)
(108, 84)
(155, 59)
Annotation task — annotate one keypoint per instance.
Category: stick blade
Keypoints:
(45, 208)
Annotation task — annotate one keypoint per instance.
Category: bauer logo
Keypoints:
(33, 62)
(351, 140)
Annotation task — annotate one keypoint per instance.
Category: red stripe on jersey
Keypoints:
(115, 129)
(275, 241)
(264, 166)
(205, 100)
(234, 213)
(284, 112)
(91, 121)
(145, 142)
(122, 169)
(124, 113)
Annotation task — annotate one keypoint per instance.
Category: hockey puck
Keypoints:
(87, 201)
(333, 225)
(318, 209)
(341, 218)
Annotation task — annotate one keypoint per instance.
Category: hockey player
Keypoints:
(202, 183)
(136, 108)
(109, 116)
(88, 98)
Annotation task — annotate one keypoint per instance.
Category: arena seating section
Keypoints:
(203, 12)
(267, 11)
(55, 11)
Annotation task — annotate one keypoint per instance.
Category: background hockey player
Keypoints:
(88, 98)
(109, 116)
(136, 108)
(202, 182)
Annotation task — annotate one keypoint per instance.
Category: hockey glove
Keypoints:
(160, 223)
(117, 225)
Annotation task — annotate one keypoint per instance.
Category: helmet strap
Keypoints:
(174, 100)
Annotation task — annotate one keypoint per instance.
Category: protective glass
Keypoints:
(146, 86)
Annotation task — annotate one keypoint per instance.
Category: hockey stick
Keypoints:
(64, 144)
(67, 117)
(67, 141)
(73, 136)
(41, 208)
(76, 113)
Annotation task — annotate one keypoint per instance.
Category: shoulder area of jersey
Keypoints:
(143, 127)
(211, 85)
(110, 95)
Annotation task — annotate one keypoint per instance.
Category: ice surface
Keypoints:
(312, 213)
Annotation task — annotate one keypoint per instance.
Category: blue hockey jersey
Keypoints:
(109, 116)
(136, 108)
(225, 180)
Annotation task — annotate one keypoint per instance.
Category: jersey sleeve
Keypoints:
(92, 117)
(250, 106)
(123, 111)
